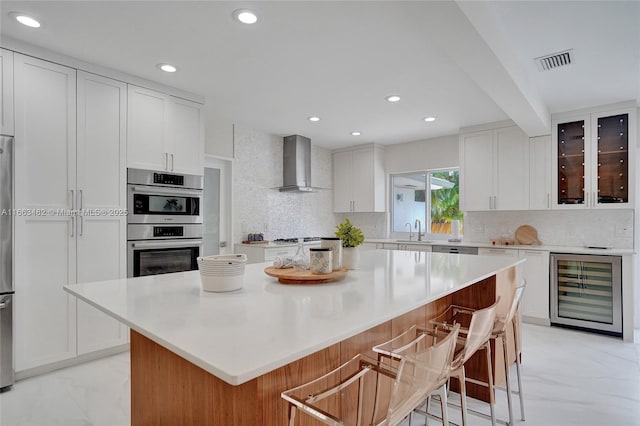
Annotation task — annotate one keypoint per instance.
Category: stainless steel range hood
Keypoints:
(296, 168)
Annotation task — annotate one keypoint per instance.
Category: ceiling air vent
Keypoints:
(555, 60)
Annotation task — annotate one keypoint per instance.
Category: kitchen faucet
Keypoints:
(410, 234)
(418, 225)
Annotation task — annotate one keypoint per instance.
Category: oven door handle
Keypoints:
(175, 192)
(166, 244)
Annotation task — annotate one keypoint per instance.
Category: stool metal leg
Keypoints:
(505, 351)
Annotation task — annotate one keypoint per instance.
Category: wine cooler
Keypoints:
(586, 292)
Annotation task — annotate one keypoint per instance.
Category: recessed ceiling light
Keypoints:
(355, 133)
(167, 68)
(429, 119)
(25, 19)
(393, 98)
(245, 16)
(314, 118)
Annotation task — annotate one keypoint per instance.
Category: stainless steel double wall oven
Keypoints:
(164, 230)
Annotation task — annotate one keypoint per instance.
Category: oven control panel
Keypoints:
(168, 231)
(167, 179)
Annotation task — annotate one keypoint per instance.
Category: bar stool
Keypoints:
(461, 316)
(475, 332)
(417, 376)
(411, 341)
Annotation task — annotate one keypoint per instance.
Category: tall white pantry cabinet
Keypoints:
(70, 136)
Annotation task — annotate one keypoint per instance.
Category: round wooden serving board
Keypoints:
(293, 276)
(527, 234)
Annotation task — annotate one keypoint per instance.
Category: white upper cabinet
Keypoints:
(359, 180)
(147, 129)
(594, 159)
(6, 92)
(476, 171)
(45, 245)
(540, 161)
(164, 132)
(494, 168)
(186, 136)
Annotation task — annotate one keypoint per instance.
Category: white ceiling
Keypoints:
(465, 63)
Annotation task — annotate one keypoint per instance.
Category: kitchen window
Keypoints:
(429, 196)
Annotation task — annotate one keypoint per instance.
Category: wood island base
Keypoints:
(167, 389)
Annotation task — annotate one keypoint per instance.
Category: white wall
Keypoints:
(429, 154)
(259, 207)
(576, 228)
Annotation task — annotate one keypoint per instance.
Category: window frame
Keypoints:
(427, 205)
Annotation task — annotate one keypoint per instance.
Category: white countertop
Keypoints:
(554, 249)
(240, 335)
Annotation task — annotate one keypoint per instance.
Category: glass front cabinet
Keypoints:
(593, 160)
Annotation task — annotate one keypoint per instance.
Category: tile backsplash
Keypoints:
(258, 206)
(606, 228)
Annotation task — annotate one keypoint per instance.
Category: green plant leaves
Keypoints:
(350, 235)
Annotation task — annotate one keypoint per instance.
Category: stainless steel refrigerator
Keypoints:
(6, 272)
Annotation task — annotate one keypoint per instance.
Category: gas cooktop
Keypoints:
(294, 240)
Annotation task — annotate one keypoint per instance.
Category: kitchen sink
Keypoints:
(414, 241)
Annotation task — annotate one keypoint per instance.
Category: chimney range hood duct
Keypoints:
(296, 168)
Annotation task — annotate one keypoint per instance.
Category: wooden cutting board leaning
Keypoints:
(527, 235)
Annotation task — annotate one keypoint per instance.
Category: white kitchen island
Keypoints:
(224, 358)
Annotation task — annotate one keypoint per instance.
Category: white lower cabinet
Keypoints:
(62, 164)
(497, 251)
(535, 301)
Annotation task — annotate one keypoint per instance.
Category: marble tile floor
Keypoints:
(570, 378)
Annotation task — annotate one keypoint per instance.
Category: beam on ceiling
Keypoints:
(475, 41)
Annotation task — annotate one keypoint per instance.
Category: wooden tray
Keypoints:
(255, 242)
(527, 234)
(293, 276)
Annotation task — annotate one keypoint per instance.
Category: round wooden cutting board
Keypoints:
(293, 276)
(527, 234)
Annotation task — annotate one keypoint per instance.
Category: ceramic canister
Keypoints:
(335, 244)
(321, 260)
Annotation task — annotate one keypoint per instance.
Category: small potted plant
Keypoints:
(351, 237)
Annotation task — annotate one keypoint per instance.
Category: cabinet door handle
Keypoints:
(548, 200)
(80, 226)
(171, 162)
(80, 197)
(594, 199)
(490, 202)
(495, 202)
(166, 161)
(73, 199)
(354, 207)
(586, 199)
(73, 226)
